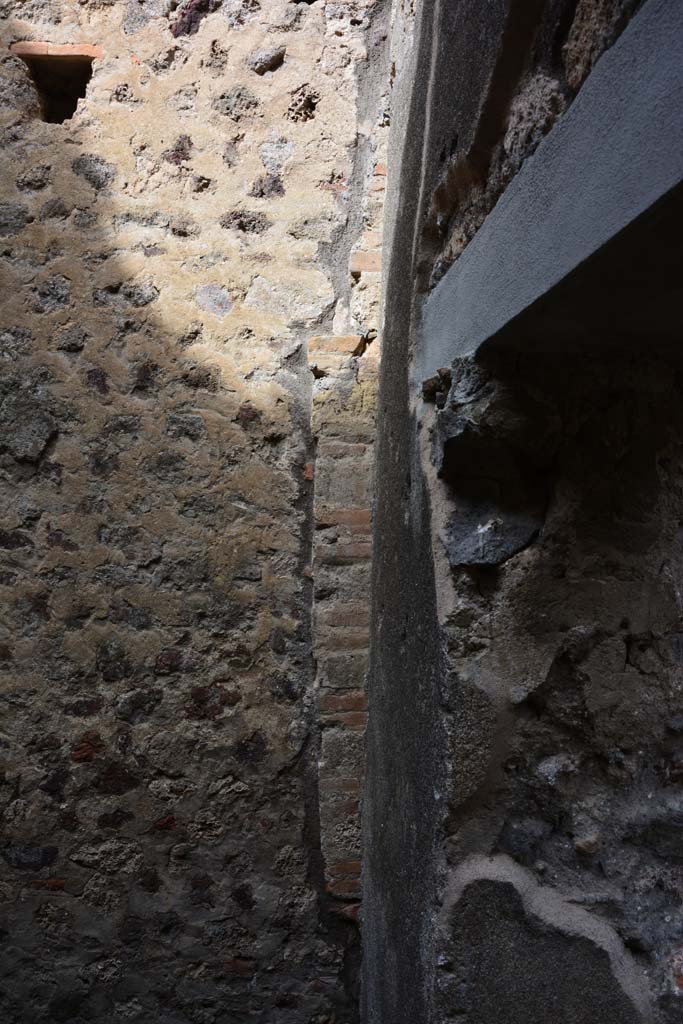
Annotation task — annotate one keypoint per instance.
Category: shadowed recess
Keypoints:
(61, 82)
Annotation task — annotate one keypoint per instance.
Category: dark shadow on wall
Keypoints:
(568, 465)
(405, 745)
(574, 639)
(158, 748)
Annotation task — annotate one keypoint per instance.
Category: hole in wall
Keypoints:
(60, 74)
(500, 500)
(61, 82)
(495, 447)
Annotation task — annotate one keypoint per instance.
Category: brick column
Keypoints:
(344, 427)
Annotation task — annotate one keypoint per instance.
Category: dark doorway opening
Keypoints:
(61, 82)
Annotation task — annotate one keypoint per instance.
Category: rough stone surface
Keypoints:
(13, 218)
(520, 960)
(267, 59)
(522, 807)
(162, 856)
(596, 25)
(192, 268)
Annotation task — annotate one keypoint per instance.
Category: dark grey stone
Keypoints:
(185, 425)
(139, 12)
(72, 339)
(27, 857)
(14, 341)
(11, 540)
(26, 426)
(112, 661)
(190, 14)
(664, 836)
(266, 59)
(140, 294)
(238, 12)
(246, 221)
(236, 103)
(267, 186)
(35, 178)
(52, 294)
(511, 967)
(13, 218)
(481, 533)
(54, 209)
(97, 171)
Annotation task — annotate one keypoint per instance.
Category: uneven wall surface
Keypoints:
(166, 256)
(523, 806)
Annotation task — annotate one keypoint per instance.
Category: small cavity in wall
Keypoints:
(495, 465)
(60, 73)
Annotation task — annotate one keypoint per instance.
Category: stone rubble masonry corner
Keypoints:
(168, 252)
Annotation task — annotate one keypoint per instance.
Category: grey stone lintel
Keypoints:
(583, 247)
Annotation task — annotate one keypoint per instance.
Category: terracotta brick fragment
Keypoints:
(340, 554)
(344, 887)
(368, 368)
(347, 344)
(358, 518)
(350, 911)
(343, 702)
(322, 984)
(353, 615)
(89, 745)
(42, 49)
(165, 824)
(371, 240)
(349, 808)
(344, 868)
(340, 784)
(334, 186)
(49, 884)
(348, 640)
(365, 262)
(336, 449)
(240, 966)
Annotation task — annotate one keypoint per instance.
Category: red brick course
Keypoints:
(42, 49)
